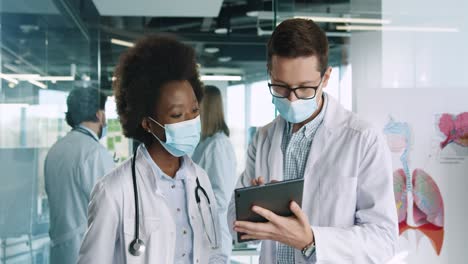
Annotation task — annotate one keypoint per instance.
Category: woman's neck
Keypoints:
(165, 161)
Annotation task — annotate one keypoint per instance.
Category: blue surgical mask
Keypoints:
(297, 111)
(103, 131)
(181, 138)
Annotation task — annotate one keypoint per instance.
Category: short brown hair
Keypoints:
(212, 114)
(141, 72)
(299, 37)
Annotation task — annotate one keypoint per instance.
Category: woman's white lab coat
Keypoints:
(111, 223)
(216, 156)
(348, 188)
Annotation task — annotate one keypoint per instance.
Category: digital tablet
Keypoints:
(275, 197)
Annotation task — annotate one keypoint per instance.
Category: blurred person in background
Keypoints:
(72, 167)
(215, 154)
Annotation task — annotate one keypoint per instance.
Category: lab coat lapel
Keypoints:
(318, 152)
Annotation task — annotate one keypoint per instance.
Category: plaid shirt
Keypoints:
(296, 148)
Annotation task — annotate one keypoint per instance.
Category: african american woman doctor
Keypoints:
(157, 207)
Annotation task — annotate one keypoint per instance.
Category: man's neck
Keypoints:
(298, 126)
(93, 126)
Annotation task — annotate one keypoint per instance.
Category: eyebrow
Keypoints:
(173, 106)
(300, 84)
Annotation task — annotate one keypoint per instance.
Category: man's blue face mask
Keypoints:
(297, 111)
(181, 138)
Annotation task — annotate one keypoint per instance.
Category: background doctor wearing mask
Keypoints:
(157, 90)
(72, 167)
(215, 154)
(348, 212)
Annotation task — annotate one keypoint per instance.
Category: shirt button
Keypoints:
(178, 209)
(185, 232)
(173, 186)
(183, 255)
(197, 260)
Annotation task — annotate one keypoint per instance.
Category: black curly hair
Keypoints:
(82, 104)
(141, 72)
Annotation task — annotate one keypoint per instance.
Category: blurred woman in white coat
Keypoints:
(215, 154)
(157, 207)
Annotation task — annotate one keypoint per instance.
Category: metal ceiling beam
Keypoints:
(70, 12)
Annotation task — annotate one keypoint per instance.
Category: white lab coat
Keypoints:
(216, 156)
(111, 223)
(348, 188)
(73, 165)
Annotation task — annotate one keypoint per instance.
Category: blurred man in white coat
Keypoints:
(72, 167)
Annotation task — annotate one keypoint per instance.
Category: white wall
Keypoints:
(413, 76)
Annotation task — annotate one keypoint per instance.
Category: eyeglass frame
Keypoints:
(315, 88)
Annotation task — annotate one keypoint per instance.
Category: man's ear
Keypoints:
(326, 77)
(101, 116)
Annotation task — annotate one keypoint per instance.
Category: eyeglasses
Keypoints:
(301, 92)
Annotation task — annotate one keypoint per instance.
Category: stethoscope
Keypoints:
(137, 246)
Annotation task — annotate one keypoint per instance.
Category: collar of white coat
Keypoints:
(180, 175)
(144, 160)
(334, 115)
(90, 131)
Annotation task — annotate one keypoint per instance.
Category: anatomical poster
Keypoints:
(428, 140)
(451, 134)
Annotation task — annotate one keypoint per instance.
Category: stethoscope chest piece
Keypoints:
(137, 247)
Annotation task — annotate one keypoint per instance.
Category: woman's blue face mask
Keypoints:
(181, 138)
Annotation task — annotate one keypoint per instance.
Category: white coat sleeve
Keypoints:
(373, 237)
(96, 165)
(99, 242)
(215, 162)
(243, 181)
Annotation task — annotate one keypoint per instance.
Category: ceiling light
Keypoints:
(8, 78)
(11, 85)
(221, 31)
(23, 76)
(211, 50)
(38, 84)
(346, 20)
(221, 78)
(55, 78)
(85, 78)
(122, 43)
(224, 59)
(397, 28)
(35, 77)
(252, 13)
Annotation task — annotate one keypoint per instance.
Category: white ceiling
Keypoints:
(159, 8)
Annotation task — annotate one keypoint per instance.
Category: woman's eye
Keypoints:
(176, 116)
(195, 110)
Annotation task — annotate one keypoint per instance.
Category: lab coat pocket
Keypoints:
(338, 195)
(151, 234)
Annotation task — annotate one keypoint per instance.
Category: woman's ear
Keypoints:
(145, 124)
